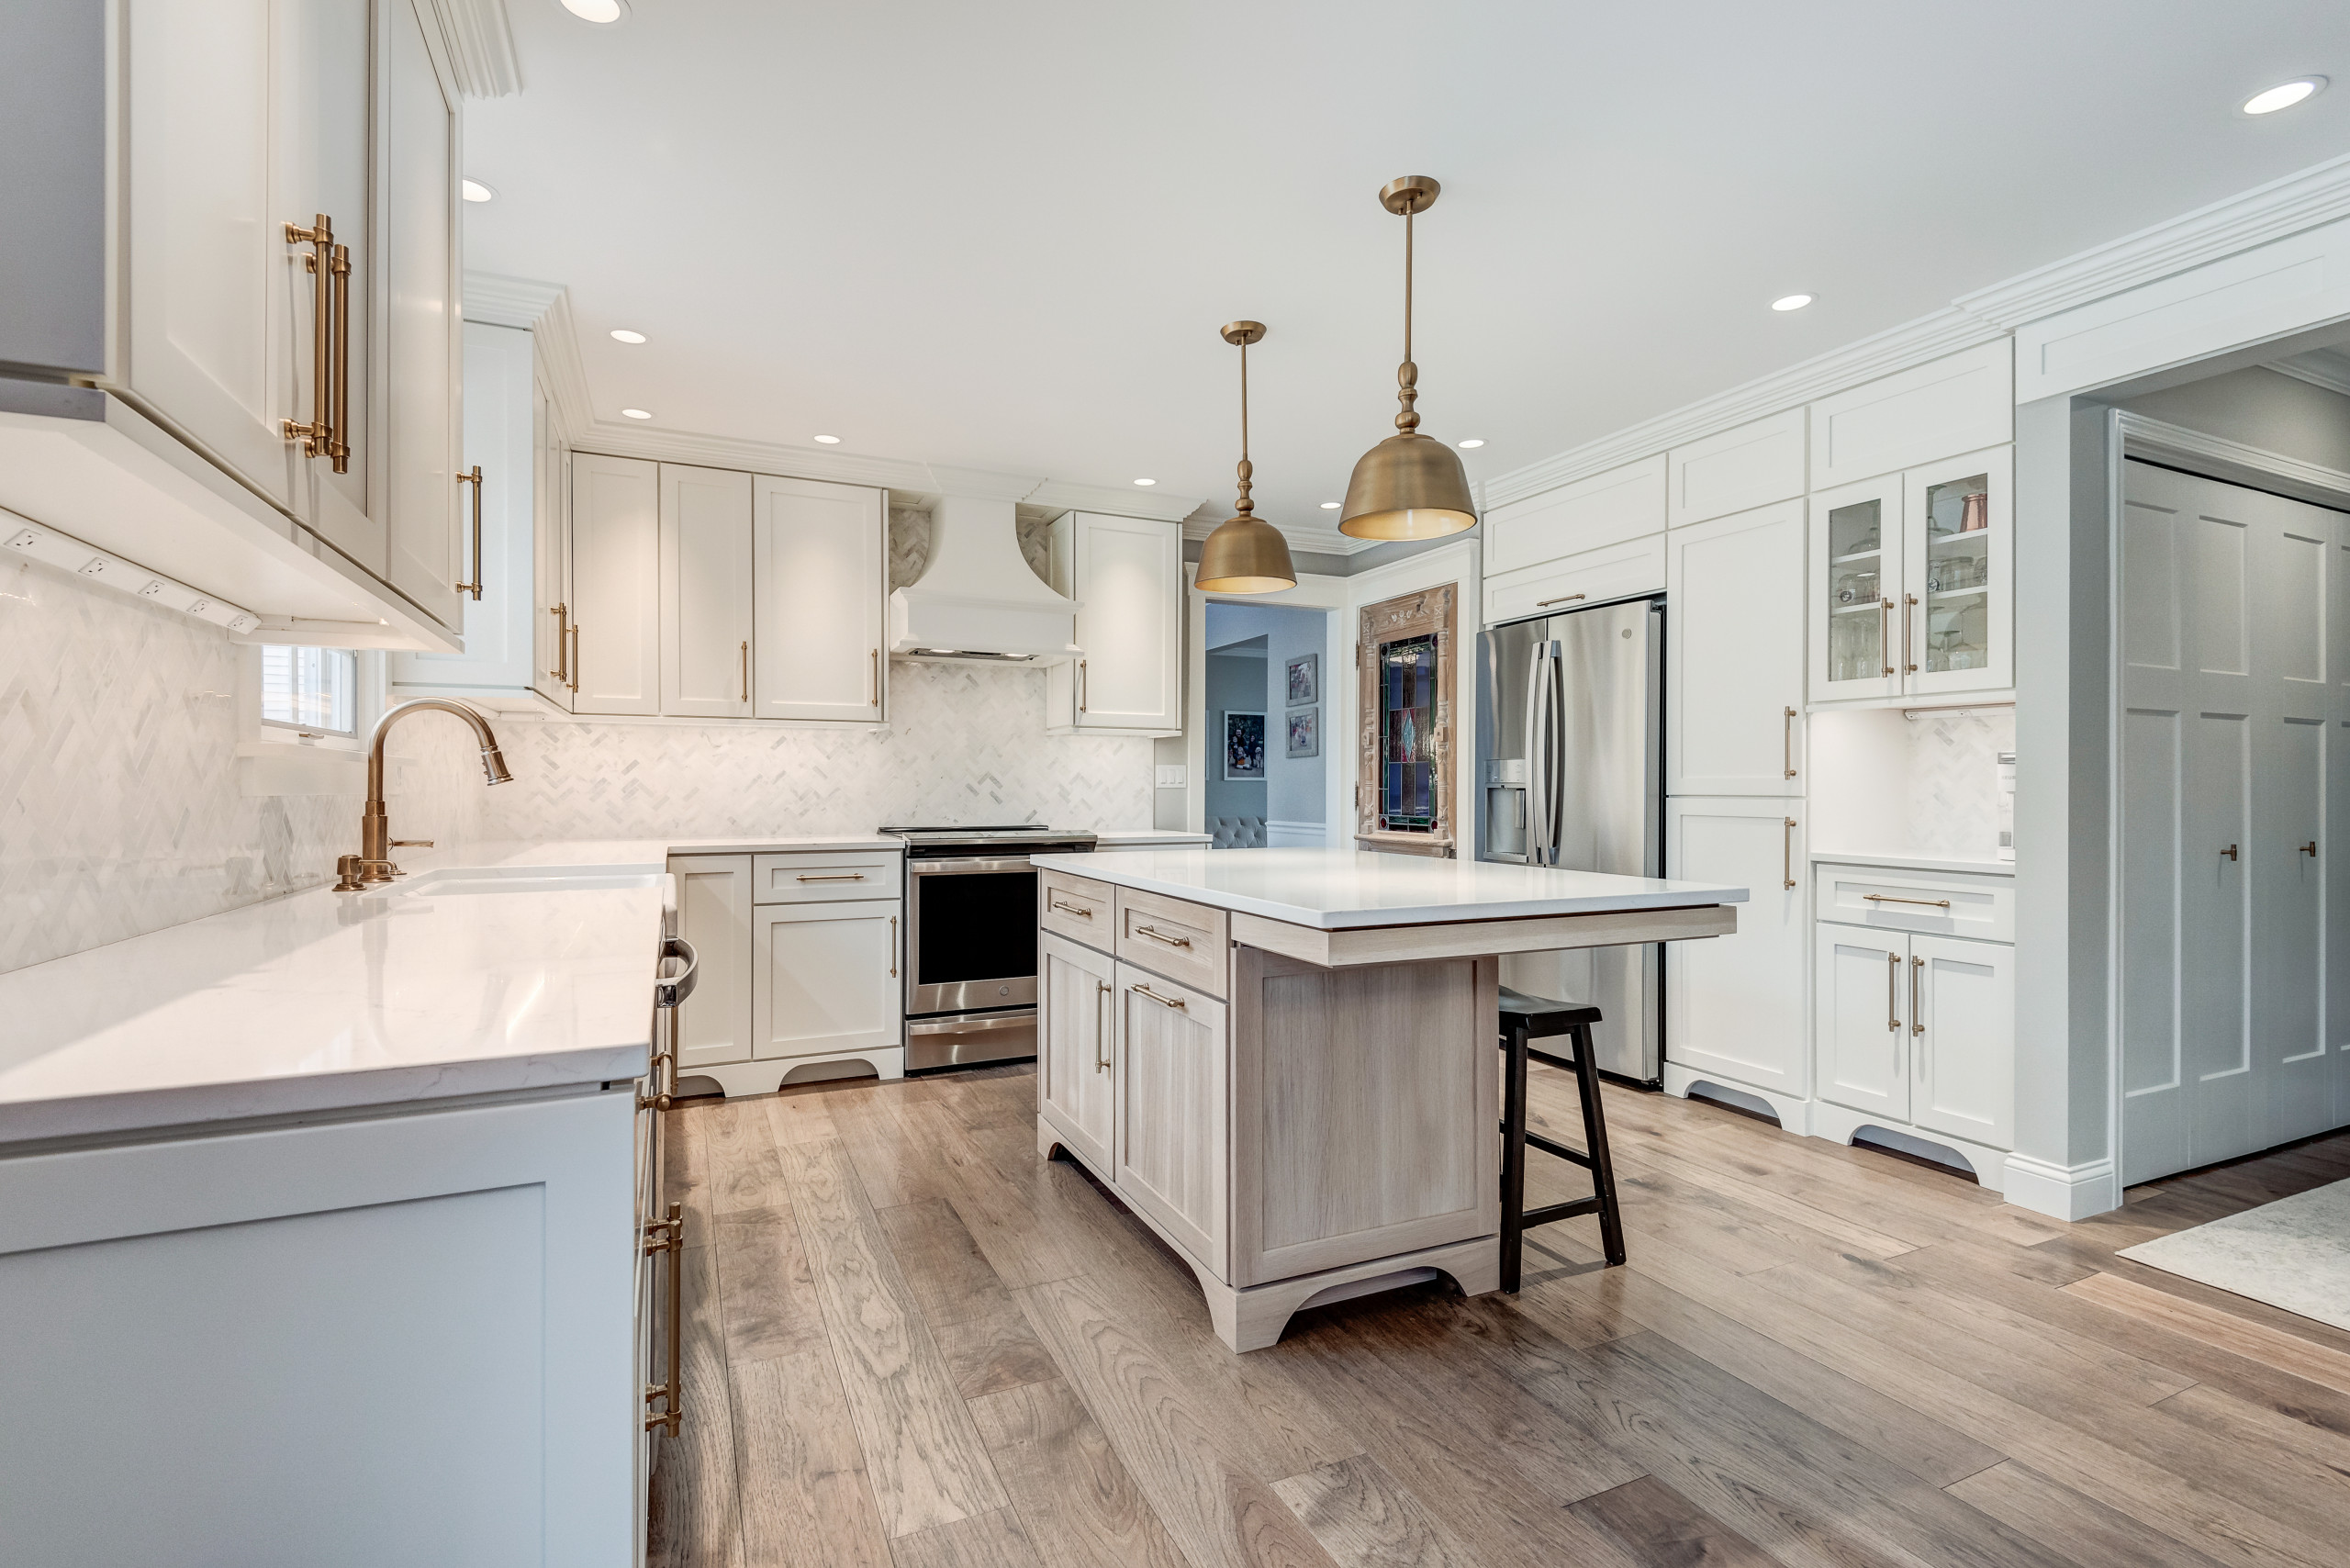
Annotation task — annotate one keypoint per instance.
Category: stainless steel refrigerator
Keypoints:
(1570, 772)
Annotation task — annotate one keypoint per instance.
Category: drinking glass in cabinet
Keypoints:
(1958, 573)
(1856, 609)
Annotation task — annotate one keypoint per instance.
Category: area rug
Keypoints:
(2293, 1253)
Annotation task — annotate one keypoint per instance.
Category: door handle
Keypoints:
(893, 946)
(474, 478)
(2230, 852)
(1156, 936)
(1084, 686)
(1067, 908)
(2309, 849)
(318, 436)
(1917, 1012)
(1908, 635)
(668, 1235)
(1888, 898)
(1787, 741)
(1173, 1001)
(338, 445)
(830, 877)
(1100, 1035)
(746, 670)
(1893, 990)
(875, 699)
(1788, 853)
(571, 660)
(1885, 634)
(1562, 598)
(562, 671)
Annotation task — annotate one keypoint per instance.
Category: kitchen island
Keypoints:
(1285, 1060)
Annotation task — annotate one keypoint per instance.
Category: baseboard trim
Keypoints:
(2063, 1191)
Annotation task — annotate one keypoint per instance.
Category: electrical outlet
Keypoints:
(1171, 776)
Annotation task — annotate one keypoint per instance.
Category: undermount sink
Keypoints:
(451, 880)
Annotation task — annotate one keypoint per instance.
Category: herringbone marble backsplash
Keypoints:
(1953, 781)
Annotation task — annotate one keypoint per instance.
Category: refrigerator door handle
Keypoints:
(1541, 745)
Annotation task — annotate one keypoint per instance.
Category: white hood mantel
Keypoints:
(977, 598)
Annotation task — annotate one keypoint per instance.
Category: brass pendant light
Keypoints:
(1409, 485)
(1245, 553)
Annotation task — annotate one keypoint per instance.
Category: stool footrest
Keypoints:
(1552, 1147)
(1569, 1210)
(1567, 1063)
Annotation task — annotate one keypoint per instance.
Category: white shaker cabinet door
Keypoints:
(1077, 1067)
(714, 914)
(615, 635)
(705, 592)
(422, 342)
(1126, 575)
(207, 341)
(821, 557)
(825, 978)
(552, 675)
(1734, 1005)
(1864, 1019)
(1734, 655)
(1964, 996)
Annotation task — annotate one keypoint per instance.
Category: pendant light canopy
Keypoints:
(1409, 485)
(1245, 553)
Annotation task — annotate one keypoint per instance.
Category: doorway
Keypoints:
(1265, 779)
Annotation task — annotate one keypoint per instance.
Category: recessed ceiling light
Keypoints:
(1790, 302)
(1330, 506)
(634, 414)
(2284, 95)
(1145, 481)
(1474, 441)
(603, 13)
(474, 190)
(829, 440)
(623, 335)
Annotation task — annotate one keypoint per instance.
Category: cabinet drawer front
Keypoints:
(817, 876)
(1945, 906)
(1591, 578)
(1078, 907)
(1185, 942)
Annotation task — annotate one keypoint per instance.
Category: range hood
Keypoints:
(978, 600)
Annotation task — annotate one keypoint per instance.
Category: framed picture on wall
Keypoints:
(1244, 747)
(1305, 680)
(1305, 732)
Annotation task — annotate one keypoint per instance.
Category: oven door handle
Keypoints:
(968, 865)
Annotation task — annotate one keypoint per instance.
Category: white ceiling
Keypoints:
(1003, 236)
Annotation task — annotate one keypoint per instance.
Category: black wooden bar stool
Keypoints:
(1525, 1019)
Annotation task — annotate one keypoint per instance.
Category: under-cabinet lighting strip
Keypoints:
(43, 543)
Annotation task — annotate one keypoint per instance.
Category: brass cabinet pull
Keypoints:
(1888, 898)
(562, 671)
(571, 660)
(1067, 908)
(746, 670)
(2309, 849)
(474, 478)
(1917, 1013)
(1562, 598)
(1909, 640)
(318, 436)
(1787, 741)
(1156, 936)
(2230, 852)
(1885, 634)
(1788, 853)
(1174, 1002)
(877, 679)
(338, 446)
(832, 876)
(1084, 686)
(893, 946)
(1100, 1035)
(668, 1235)
(1892, 991)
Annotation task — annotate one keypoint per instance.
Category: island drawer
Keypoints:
(1185, 942)
(819, 875)
(1947, 904)
(1077, 907)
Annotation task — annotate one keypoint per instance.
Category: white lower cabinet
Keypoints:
(1734, 1005)
(714, 915)
(824, 980)
(1076, 1074)
(1919, 1030)
(1863, 1028)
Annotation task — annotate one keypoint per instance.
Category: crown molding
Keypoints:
(481, 47)
(2329, 368)
(2310, 197)
(497, 301)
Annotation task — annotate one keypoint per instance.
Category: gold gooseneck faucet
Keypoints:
(373, 864)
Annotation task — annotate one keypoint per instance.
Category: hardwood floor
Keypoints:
(909, 1342)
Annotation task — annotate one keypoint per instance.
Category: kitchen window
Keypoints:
(314, 690)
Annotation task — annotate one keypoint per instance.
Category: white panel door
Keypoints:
(206, 273)
(1734, 1005)
(1958, 574)
(1129, 587)
(1173, 1137)
(821, 568)
(714, 914)
(1963, 1010)
(1737, 470)
(1076, 1064)
(1862, 999)
(423, 346)
(705, 592)
(825, 978)
(1856, 542)
(1734, 656)
(2291, 659)
(615, 584)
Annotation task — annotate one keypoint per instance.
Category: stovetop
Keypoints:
(1001, 834)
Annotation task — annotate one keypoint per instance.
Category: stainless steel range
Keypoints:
(970, 964)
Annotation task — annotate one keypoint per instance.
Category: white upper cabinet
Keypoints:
(705, 592)
(1737, 470)
(820, 555)
(615, 620)
(551, 675)
(1735, 658)
(1126, 575)
(1606, 508)
(1953, 405)
(1856, 537)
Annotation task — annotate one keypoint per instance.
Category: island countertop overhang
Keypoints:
(1337, 889)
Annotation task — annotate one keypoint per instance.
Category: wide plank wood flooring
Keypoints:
(909, 1342)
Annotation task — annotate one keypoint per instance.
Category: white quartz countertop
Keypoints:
(1334, 889)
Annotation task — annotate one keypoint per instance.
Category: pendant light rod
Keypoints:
(1245, 553)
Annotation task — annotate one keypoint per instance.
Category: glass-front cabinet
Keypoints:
(1405, 652)
(1913, 582)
